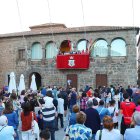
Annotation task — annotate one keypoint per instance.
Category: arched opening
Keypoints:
(37, 79)
(66, 46)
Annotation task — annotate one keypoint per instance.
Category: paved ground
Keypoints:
(59, 135)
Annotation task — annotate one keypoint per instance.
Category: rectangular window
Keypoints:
(21, 54)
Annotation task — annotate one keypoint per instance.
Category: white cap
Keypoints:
(3, 120)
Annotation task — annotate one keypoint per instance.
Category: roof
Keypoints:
(48, 25)
(57, 28)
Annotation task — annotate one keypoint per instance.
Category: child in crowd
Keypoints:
(45, 134)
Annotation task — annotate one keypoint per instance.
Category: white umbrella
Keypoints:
(33, 83)
(12, 83)
(21, 83)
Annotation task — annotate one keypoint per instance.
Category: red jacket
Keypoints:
(26, 121)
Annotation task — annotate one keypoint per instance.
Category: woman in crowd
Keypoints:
(11, 116)
(16, 104)
(73, 115)
(102, 111)
(6, 132)
(22, 96)
(114, 113)
(83, 100)
(133, 133)
(108, 133)
(79, 131)
(26, 118)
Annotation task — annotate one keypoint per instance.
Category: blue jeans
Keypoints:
(93, 136)
(17, 137)
(51, 126)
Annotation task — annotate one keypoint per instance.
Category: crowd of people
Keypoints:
(91, 114)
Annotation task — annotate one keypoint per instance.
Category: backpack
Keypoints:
(112, 114)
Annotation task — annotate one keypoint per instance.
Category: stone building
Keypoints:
(112, 55)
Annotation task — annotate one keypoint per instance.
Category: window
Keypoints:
(51, 50)
(21, 54)
(82, 45)
(36, 51)
(99, 49)
(118, 47)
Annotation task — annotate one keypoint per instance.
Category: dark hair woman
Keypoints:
(26, 118)
(11, 116)
(108, 131)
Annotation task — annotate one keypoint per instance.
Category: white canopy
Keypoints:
(21, 83)
(33, 83)
(12, 83)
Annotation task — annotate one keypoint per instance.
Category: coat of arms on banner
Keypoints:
(71, 61)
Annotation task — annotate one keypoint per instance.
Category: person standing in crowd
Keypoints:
(79, 131)
(102, 111)
(127, 110)
(60, 110)
(133, 133)
(117, 99)
(129, 91)
(93, 119)
(72, 119)
(43, 91)
(26, 122)
(64, 96)
(48, 98)
(22, 95)
(48, 113)
(73, 98)
(138, 106)
(107, 97)
(83, 100)
(16, 104)
(114, 113)
(6, 132)
(136, 96)
(108, 133)
(54, 92)
(95, 103)
(112, 90)
(1, 107)
(11, 116)
(96, 96)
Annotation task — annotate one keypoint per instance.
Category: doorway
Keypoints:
(72, 80)
(101, 80)
(37, 79)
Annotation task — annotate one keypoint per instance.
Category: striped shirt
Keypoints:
(48, 113)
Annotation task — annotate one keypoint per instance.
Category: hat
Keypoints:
(3, 120)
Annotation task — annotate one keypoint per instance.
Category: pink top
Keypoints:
(138, 108)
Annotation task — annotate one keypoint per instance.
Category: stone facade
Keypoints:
(119, 70)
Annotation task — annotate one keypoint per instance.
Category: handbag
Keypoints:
(35, 127)
(100, 135)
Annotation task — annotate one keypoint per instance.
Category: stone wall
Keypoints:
(118, 69)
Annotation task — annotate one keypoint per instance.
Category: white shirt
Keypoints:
(48, 101)
(111, 110)
(7, 133)
(114, 134)
(60, 107)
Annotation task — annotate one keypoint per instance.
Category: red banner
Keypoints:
(73, 61)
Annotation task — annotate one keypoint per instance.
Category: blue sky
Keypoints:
(69, 12)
